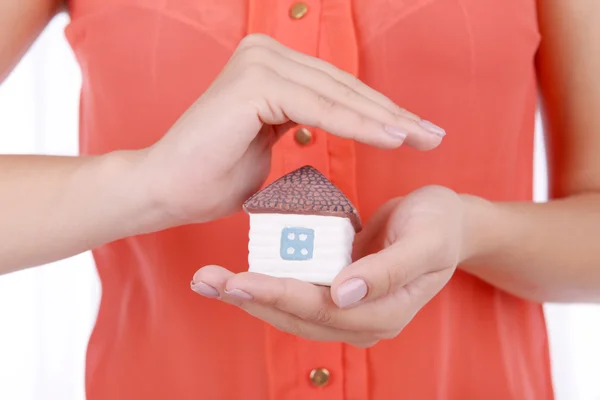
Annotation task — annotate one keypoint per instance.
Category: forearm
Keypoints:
(55, 207)
(544, 252)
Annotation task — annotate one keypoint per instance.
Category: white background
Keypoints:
(46, 314)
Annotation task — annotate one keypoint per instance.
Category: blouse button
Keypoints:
(319, 377)
(303, 136)
(298, 10)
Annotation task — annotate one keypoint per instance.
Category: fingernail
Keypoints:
(432, 128)
(240, 294)
(204, 289)
(395, 132)
(351, 292)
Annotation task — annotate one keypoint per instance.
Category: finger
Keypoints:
(342, 94)
(298, 327)
(313, 304)
(302, 299)
(210, 281)
(379, 274)
(388, 315)
(307, 107)
(299, 308)
(340, 75)
(261, 50)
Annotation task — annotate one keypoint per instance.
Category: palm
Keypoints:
(429, 217)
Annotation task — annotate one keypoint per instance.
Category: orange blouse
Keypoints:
(468, 65)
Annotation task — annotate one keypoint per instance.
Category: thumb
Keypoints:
(376, 275)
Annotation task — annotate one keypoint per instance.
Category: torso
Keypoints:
(467, 65)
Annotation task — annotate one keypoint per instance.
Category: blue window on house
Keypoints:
(297, 244)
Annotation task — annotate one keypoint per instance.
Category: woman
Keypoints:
(159, 202)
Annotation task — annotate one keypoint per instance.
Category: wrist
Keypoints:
(133, 193)
(482, 229)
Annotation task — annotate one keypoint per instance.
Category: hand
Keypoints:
(407, 253)
(218, 153)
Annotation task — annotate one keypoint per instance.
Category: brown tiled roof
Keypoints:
(303, 191)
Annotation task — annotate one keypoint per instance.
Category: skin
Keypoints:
(55, 207)
(20, 24)
(408, 250)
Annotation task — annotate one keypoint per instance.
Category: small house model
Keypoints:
(301, 226)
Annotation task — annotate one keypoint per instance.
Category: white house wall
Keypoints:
(332, 246)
